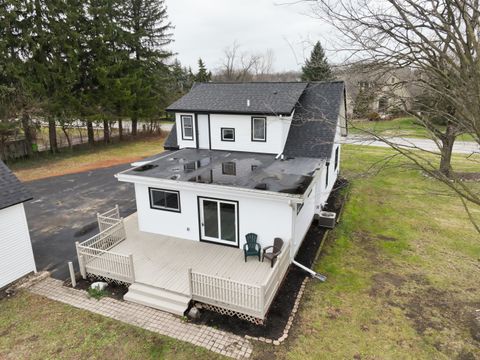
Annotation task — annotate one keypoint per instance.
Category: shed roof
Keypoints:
(312, 132)
(12, 191)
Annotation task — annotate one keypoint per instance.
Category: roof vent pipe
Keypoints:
(248, 102)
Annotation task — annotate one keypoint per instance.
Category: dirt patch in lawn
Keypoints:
(282, 305)
(428, 308)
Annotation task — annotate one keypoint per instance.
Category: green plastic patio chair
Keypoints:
(252, 248)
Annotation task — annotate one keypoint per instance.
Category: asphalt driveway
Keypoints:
(64, 210)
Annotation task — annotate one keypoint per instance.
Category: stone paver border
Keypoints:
(163, 323)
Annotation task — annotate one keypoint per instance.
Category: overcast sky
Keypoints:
(204, 28)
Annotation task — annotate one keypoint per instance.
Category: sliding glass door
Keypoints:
(219, 221)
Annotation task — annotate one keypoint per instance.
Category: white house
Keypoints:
(16, 256)
(244, 158)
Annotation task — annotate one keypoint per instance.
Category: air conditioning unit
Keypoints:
(327, 219)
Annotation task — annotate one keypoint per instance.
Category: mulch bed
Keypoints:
(282, 305)
(113, 290)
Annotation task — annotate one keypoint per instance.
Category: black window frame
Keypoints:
(336, 157)
(182, 125)
(265, 128)
(221, 134)
(156, 207)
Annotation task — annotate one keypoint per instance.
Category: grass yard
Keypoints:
(402, 268)
(402, 127)
(32, 327)
(78, 160)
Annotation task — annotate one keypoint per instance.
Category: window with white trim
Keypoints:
(259, 129)
(187, 127)
(161, 199)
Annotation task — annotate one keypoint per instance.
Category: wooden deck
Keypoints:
(163, 262)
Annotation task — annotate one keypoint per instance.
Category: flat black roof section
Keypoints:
(229, 168)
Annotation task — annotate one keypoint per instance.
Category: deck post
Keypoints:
(262, 300)
(118, 210)
(124, 233)
(190, 287)
(81, 263)
(132, 269)
(83, 270)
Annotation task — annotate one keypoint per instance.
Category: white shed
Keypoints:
(16, 255)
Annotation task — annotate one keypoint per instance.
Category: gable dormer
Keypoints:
(252, 117)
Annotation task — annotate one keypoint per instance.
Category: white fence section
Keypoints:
(95, 257)
(108, 218)
(253, 300)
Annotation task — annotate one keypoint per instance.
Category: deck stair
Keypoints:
(157, 298)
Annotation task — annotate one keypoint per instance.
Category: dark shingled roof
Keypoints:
(171, 142)
(265, 98)
(12, 191)
(314, 123)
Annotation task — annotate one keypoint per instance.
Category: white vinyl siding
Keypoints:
(16, 256)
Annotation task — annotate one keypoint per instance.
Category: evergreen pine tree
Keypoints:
(317, 68)
(203, 74)
(148, 27)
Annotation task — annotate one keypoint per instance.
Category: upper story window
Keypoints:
(228, 134)
(164, 199)
(259, 129)
(187, 127)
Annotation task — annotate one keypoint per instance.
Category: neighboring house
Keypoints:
(244, 158)
(16, 255)
(381, 91)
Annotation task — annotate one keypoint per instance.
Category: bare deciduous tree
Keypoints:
(242, 66)
(440, 41)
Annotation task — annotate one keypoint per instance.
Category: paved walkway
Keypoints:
(147, 318)
(459, 147)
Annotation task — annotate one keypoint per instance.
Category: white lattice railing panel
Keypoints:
(237, 297)
(95, 257)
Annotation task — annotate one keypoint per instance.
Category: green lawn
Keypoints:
(32, 327)
(402, 272)
(404, 127)
(402, 269)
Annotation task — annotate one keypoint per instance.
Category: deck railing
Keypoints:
(108, 218)
(95, 257)
(253, 300)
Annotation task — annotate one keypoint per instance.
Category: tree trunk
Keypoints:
(134, 124)
(27, 131)
(69, 141)
(106, 132)
(447, 147)
(120, 130)
(90, 134)
(52, 135)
